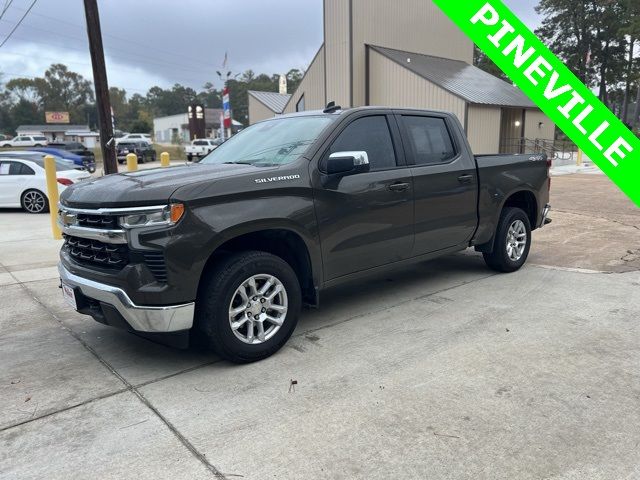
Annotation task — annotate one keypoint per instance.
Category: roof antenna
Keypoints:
(332, 108)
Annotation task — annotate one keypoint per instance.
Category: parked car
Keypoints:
(88, 163)
(201, 147)
(228, 249)
(32, 154)
(4, 137)
(25, 141)
(23, 182)
(143, 150)
(135, 137)
(76, 148)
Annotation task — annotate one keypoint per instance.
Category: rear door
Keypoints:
(445, 181)
(365, 220)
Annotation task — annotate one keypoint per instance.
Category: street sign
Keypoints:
(56, 117)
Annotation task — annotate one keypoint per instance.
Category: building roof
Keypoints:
(459, 78)
(52, 128)
(276, 102)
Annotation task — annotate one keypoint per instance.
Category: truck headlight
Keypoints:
(168, 216)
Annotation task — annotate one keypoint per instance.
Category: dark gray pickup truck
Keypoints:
(226, 251)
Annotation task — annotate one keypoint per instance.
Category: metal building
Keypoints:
(407, 53)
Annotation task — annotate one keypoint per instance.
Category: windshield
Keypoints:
(271, 143)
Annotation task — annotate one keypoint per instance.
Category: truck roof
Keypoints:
(345, 111)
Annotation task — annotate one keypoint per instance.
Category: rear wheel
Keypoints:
(512, 242)
(248, 306)
(34, 201)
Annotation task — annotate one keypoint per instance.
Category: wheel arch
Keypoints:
(523, 198)
(284, 241)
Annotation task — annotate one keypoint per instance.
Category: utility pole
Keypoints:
(107, 142)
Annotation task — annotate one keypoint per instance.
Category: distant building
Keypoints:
(62, 133)
(175, 128)
(407, 53)
(263, 105)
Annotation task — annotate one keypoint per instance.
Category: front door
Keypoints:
(365, 220)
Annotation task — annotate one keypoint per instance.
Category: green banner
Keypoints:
(553, 87)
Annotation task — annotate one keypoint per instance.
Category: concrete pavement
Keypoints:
(443, 371)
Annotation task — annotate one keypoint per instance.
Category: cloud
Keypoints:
(161, 42)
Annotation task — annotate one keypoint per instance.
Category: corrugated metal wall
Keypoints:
(338, 58)
(532, 129)
(483, 129)
(392, 85)
(312, 86)
(258, 111)
(412, 25)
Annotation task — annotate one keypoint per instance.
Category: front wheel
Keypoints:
(248, 306)
(34, 201)
(512, 243)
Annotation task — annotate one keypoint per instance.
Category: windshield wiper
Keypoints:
(238, 163)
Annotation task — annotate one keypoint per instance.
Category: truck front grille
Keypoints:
(94, 252)
(107, 222)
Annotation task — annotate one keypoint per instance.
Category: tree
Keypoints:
(483, 62)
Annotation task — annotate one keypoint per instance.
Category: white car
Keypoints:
(25, 141)
(201, 147)
(23, 182)
(135, 137)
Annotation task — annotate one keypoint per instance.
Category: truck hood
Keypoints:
(145, 187)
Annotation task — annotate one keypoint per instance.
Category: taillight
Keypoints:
(65, 181)
(549, 164)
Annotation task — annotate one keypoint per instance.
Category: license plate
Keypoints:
(69, 296)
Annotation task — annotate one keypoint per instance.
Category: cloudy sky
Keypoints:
(161, 42)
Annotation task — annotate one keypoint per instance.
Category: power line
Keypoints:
(19, 22)
(195, 68)
(7, 4)
(127, 40)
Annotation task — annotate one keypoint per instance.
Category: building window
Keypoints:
(300, 104)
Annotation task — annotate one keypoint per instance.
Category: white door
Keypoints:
(23, 142)
(11, 185)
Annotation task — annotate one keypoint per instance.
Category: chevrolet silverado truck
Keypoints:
(225, 252)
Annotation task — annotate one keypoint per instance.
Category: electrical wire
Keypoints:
(6, 39)
(7, 4)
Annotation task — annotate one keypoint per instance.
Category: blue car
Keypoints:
(77, 159)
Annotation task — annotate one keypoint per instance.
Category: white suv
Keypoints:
(135, 137)
(25, 141)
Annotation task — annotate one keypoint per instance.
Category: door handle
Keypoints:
(399, 187)
(465, 178)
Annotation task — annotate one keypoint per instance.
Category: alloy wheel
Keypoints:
(258, 309)
(516, 240)
(34, 202)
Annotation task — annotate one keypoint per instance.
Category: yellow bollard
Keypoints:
(579, 162)
(132, 162)
(165, 160)
(52, 194)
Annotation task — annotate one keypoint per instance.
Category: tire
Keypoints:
(37, 145)
(506, 257)
(219, 292)
(34, 201)
(189, 157)
(142, 158)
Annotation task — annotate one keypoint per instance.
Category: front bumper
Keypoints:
(164, 319)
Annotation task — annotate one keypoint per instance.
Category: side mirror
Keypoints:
(347, 163)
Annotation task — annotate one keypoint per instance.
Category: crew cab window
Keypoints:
(430, 139)
(200, 143)
(371, 135)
